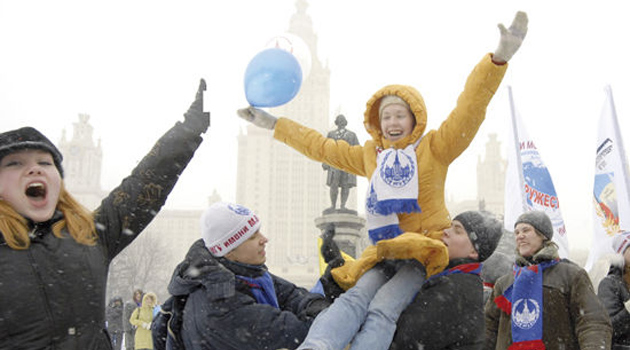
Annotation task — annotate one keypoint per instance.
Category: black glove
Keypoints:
(330, 251)
(332, 256)
(195, 119)
(332, 290)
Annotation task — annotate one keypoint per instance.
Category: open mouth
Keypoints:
(36, 190)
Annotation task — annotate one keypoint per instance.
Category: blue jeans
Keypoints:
(366, 314)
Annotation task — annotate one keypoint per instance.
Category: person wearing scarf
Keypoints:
(447, 312)
(405, 201)
(614, 291)
(233, 301)
(546, 302)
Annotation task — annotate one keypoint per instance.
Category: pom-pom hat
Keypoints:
(28, 138)
(224, 226)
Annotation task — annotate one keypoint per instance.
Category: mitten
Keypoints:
(511, 39)
(258, 117)
(195, 119)
(627, 304)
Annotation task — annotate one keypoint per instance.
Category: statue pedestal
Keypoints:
(348, 227)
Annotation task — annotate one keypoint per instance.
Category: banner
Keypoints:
(611, 201)
(528, 184)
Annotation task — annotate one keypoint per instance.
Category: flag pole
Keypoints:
(517, 148)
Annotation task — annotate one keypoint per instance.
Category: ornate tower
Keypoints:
(285, 188)
(491, 177)
(82, 163)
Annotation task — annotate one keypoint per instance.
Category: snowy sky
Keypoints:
(134, 66)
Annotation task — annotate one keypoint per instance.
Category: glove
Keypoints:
(511, 39)
(195, 119)
(332, 290)
(258, 117)
(330, 251)
(146, 325)
(627, 304)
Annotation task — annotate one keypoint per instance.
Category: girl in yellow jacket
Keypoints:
(142, 317)
(405, 208)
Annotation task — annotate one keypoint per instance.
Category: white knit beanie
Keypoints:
(621, 241)
(224, 226)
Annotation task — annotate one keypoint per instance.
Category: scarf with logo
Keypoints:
(523, 300)
(393, 189)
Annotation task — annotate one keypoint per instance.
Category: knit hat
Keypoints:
(28, 138)
(224, 226)
(539, 220)
(483, 231)
(391, 100)
(621, 241)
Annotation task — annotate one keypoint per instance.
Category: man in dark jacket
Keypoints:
(114, 319)
(447, 312)
(614, 292)
(233, 302)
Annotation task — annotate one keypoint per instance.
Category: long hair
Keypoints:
(77, 220)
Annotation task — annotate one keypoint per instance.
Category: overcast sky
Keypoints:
(134, 67)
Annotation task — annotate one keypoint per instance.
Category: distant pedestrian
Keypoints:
(114, 319)
(141, 318)
(130, 307)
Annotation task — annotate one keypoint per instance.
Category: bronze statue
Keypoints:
(339, 179)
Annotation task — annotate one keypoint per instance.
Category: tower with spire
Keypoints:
(82, 163)
(285, 188)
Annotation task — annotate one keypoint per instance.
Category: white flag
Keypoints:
(611, 201)
(528, 184)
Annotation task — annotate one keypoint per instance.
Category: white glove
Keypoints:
(627, 304)
(146, 325)
(511, 39)
(258, 117)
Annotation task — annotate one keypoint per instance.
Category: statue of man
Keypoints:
(338, 179)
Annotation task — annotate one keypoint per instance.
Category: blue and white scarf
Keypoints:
(523, 300)
(393, 189)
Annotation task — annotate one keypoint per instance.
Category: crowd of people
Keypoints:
(419, 285)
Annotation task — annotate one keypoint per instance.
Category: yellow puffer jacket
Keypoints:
(435, 152)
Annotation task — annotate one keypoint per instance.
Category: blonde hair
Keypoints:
(149, 300)
(78, 221)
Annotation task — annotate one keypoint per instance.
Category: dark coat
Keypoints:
(613, 293)
(221, 312)
(52, 295)
(446, 314)
(573, 316)
(114, 315)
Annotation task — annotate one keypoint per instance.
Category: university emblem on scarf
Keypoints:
(525, 313)
(397, 172)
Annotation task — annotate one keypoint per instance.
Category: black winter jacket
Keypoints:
(221, 313)
(52, 295)
(446, 314)
(613, 293)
